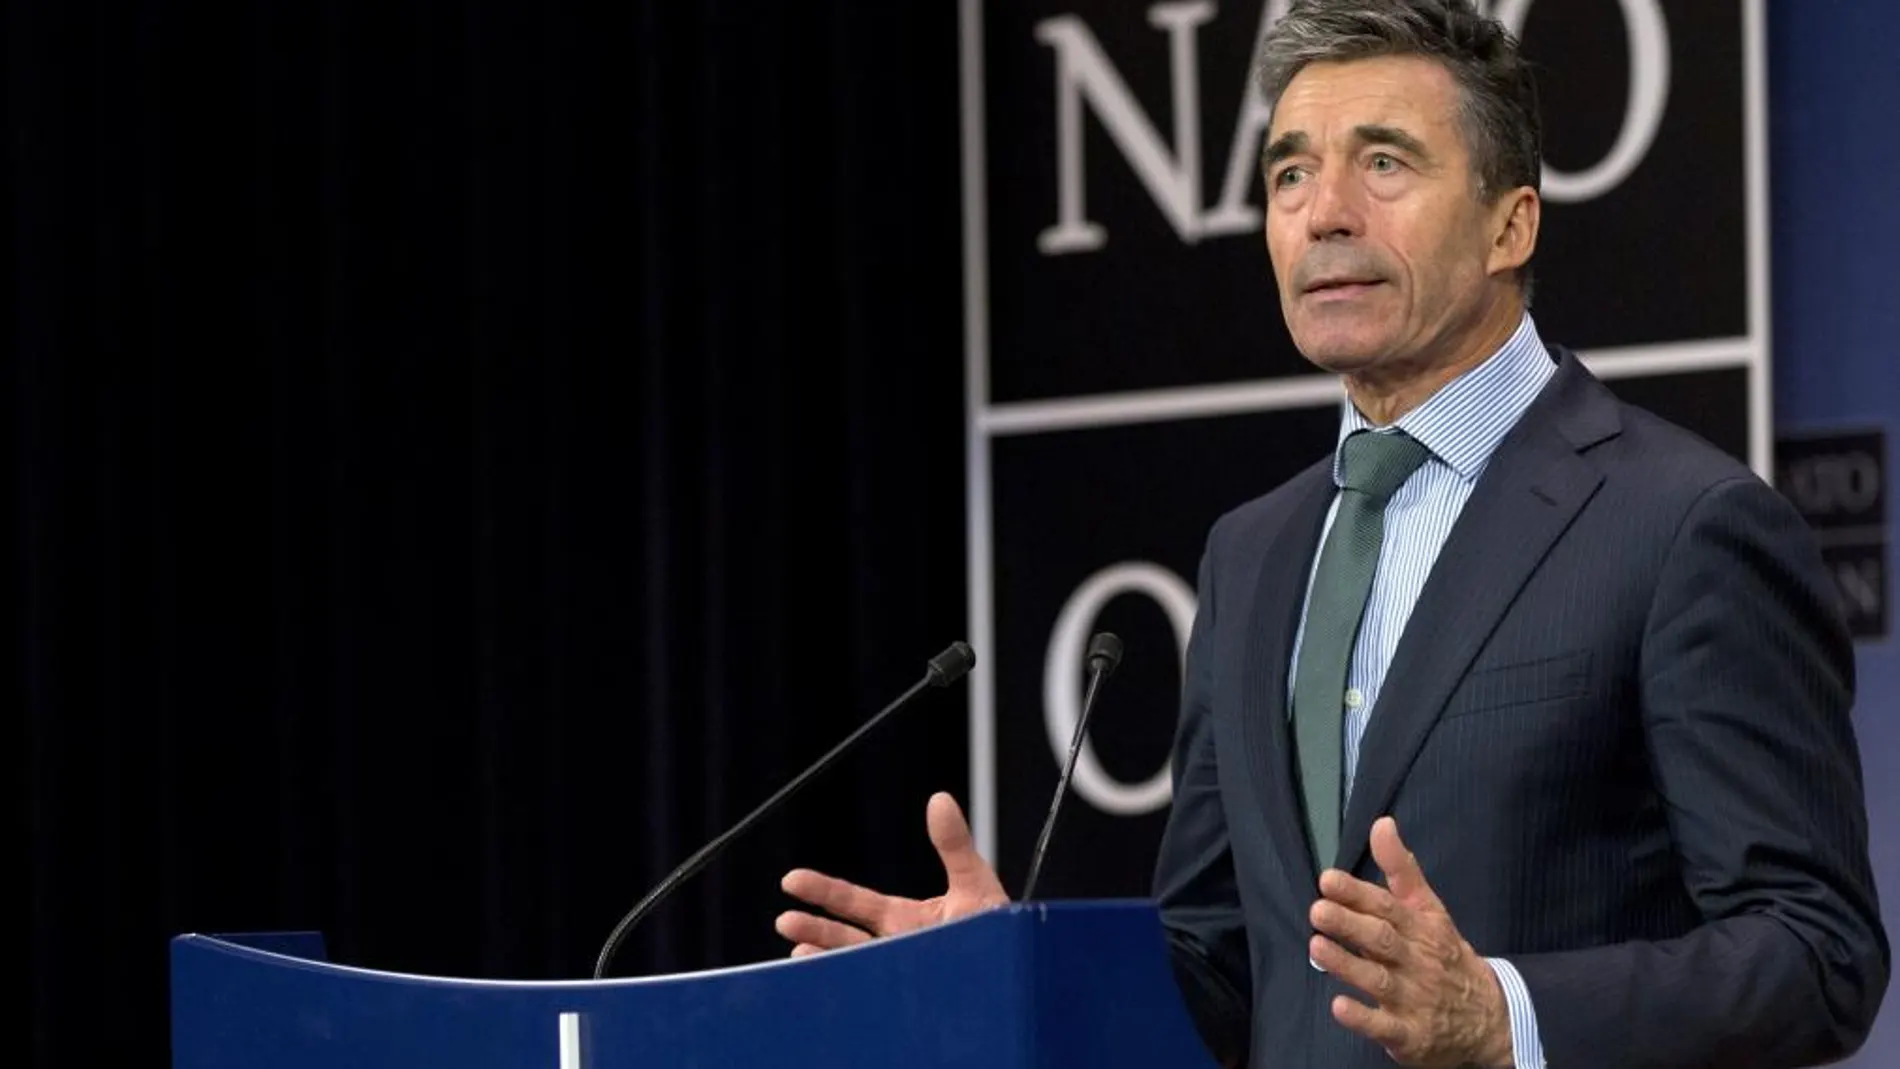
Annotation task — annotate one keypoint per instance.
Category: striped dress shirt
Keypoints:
(1461, 424)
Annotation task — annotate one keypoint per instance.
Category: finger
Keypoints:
(1402, 872)
(1359, 896)
(1373, 937)
(950, 834)
(1374, 978)
(860, 905)
(806, 950)
(821, 932)
(1383, 1027)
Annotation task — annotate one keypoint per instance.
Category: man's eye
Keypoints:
(1384, 164)
(1289, 177)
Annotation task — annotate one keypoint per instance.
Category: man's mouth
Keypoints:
(1343, 287)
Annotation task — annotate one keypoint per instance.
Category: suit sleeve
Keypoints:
(1194, 871)
(1746, 690)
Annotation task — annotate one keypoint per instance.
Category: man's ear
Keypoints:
(1514, 222)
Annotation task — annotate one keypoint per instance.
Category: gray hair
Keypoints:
(1499, 110)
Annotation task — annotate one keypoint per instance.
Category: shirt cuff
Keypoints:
(1527, 1047)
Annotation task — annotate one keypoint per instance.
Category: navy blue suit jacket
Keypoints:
(1615, 733)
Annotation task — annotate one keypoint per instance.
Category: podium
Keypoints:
(1042, 985)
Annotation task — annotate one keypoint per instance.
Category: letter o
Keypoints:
(1642, 113)
(1860, 482)
(1062, 682)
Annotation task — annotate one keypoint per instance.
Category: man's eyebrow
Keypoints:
(1287, 144)
(1294, 142)
(1374, 134)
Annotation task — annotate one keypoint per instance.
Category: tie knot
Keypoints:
(1378, 464)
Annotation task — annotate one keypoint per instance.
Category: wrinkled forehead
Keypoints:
(1329, 102)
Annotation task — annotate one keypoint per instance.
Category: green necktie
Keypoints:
(1373, 466)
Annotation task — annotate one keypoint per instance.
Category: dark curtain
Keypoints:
(460, 460)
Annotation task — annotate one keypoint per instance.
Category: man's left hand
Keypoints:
(1437, 1002)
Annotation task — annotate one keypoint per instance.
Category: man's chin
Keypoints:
(1340, 358)
(1341, 344)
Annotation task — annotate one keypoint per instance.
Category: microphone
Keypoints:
(1105, 652)
(944, 669)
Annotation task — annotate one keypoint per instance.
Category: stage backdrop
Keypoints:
(1837, 384)
(1130, 377)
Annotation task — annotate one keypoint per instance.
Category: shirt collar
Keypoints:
(1463, 422)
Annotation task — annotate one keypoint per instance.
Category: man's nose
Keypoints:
(1337, 209)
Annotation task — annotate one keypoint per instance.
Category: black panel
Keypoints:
(1713, 404)
(1661, 257)
(1067, 505)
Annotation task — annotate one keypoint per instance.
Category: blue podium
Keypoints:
(1043, 985)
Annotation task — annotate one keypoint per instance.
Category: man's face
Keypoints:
(1379, 242)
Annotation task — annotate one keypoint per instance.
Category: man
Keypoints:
(1517, 732)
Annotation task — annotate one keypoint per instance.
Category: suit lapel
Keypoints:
(1286, 561)
(1533, 487)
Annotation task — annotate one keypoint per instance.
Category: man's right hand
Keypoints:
(973, 887)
